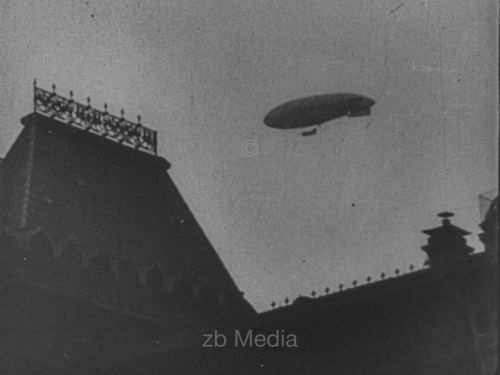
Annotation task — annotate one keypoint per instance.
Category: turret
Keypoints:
(446, 244)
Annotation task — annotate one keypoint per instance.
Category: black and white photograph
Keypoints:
(236, 187)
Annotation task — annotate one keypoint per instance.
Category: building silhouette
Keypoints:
(104, 270)
(99, 250)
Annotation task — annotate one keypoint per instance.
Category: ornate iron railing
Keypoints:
(94, 121)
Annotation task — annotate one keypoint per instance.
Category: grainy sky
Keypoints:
(287, 214)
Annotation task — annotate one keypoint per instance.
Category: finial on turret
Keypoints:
(88, 101)
(446, 217)
(446, 214)
(71, 95)
(139, 119)
(105, 107)
(122, 113)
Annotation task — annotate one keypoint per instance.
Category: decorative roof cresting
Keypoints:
(86, 118)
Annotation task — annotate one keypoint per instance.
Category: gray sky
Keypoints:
(302, 213)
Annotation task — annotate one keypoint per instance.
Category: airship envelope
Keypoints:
(316, 110)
